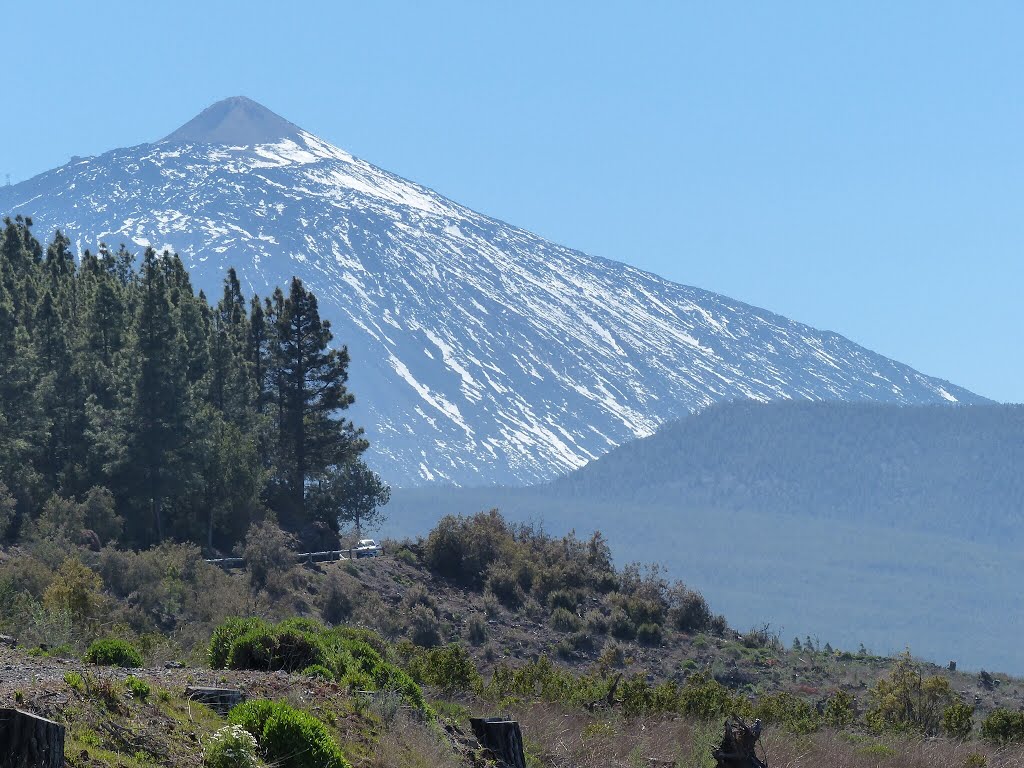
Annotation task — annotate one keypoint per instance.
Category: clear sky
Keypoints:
(857, 166)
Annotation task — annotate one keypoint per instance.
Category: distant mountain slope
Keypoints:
(855, 522)
(935, 468)
(481, 353)
(958, 469)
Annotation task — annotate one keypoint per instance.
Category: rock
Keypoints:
(218, 699)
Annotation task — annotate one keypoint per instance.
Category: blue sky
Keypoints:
(855, 166)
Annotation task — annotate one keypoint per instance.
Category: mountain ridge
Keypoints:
(481, 353)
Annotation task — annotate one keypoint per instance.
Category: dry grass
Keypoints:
(407, 743)
(564, 738)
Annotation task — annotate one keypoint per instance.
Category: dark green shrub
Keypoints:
(277, 648)
(463, 548)
(1003, 726)
(621, 626)
(564, 621)
(424, 628)
(113, 652)
(407, 556)
(643, 611)
(477, 630)
(339, 594)
(564, 598)
(574, 643)
(295, 739)
(648, 634)
(688, 610)
(597, 623)
(288, 737)
(269, 554)
(226, 634)
(417, 595)
(504, 585)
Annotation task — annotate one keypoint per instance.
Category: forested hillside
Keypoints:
(137, 410)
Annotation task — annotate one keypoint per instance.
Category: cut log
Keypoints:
(28, 741)
(218, 699)
(502, 737)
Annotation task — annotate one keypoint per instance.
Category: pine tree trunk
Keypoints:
(27, 741)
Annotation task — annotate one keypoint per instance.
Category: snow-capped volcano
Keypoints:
(481, 353)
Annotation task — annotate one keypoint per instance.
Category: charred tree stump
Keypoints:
(503, 738)
(28, 741)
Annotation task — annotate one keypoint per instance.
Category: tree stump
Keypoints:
(503, 738)
(28, 741)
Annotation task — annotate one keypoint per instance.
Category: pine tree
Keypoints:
(310, 380)
(155, 418)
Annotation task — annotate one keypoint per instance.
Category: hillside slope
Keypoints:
(481, 353)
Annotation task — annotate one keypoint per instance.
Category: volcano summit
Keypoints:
(481, 353)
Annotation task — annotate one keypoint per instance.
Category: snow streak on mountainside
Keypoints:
(480, 353)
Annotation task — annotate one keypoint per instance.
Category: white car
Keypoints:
(368, 548)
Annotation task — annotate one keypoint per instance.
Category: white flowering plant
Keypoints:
(231, 747)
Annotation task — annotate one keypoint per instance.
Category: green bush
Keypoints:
(113, 652)
(908, 701)
(295, 739)
(1003, 726)
(564, 621)
(839, 712)
(565, 598)
(706, 698)
(449, 668)
(136, 687)
(273, 649)
(792, 713)
(503, 583)
(226, 634)
(648, 634)
(477, 630)
(424, 628)
(463, 548)
(269, 554)
(231, 747)
(318, 671)
(597, 623)
(339, 593)
(407, 556)
(958, 720)
(688, 610)
(288, 737)
(621, 626)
